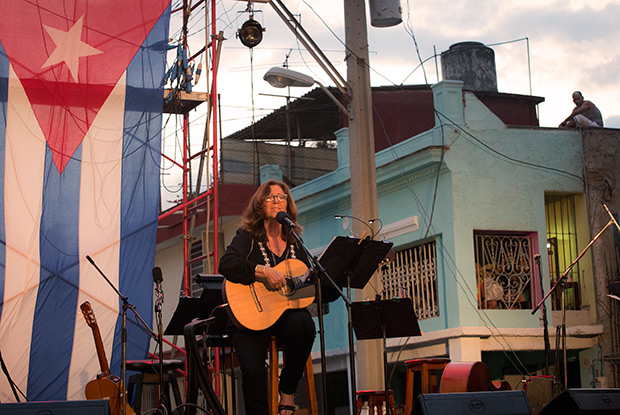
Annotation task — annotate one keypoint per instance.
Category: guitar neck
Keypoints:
(103, 360)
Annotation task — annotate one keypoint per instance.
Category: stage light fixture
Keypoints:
(251, 33)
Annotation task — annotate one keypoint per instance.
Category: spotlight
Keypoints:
(251, 33)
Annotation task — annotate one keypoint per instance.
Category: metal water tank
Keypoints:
(470, 62)
(385, 13)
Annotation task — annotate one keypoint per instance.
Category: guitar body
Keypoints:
(254, 307)
(108, 387)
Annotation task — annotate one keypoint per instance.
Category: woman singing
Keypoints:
(259, 245)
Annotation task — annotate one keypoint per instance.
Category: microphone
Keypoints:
(607, 209)
(284, 219)
(157, 279)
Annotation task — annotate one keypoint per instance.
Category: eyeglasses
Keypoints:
(280, 197)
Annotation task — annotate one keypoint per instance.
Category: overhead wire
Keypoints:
(409, 29)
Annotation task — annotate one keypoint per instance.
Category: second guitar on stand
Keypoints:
(106, 385)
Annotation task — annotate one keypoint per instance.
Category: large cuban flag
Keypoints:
(80, 119)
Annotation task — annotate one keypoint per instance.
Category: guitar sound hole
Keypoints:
(288, 289)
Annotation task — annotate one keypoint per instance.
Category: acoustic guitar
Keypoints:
(106, 385)
(256, 308)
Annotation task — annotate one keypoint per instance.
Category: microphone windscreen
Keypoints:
(157, 277)
(280, 216)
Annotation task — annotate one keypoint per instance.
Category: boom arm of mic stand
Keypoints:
(571, 267)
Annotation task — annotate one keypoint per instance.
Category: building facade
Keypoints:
(484, 218)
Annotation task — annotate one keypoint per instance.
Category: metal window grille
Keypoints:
(413, 274)
(503, 270)
(562, 248)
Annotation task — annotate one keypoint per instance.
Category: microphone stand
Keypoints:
(126, 306)
(544, 318)
(561, 281)
(160, 344)
(321, 272)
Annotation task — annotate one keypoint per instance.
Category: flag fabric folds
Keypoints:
(81, 97)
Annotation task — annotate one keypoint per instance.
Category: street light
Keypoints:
(283, 77)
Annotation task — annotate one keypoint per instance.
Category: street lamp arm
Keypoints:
(336, 101)
(312, 48)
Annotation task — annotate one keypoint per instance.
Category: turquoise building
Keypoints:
(469, 205)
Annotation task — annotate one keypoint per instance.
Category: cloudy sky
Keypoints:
(570, 45)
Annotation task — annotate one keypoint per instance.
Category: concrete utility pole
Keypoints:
(363, 175)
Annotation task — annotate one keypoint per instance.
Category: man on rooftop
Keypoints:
(585, 114)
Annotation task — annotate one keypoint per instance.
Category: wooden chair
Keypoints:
(428, 377)
(274, 364)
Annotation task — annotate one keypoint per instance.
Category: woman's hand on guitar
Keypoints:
(271, 278)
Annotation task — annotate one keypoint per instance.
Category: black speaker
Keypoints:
(90, 407)
(584, 401)
(477, 403)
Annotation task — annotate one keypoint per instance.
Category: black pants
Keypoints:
(296, 332)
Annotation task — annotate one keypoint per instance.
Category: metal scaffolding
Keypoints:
(180, 100)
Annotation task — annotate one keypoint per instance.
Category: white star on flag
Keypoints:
(69, 48)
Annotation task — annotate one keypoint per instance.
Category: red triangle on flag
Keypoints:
(69, 55)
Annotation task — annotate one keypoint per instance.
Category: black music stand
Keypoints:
(208, 305)
(211, 285)
(190, 309)
(384, 319)
(351, 263)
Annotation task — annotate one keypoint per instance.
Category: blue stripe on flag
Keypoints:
(54, 316)
(4, 90)
(140, 196)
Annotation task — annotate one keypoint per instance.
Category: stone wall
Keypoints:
(601, 150)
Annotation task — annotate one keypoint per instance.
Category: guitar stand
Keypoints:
(383, 319)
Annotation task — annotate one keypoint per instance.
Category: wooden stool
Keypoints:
(313, 406)
(428, 372)
(375, 400)
(149, 375)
